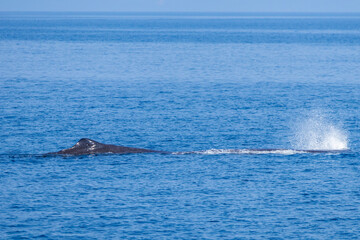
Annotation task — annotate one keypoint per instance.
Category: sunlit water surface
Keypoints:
(214, 85)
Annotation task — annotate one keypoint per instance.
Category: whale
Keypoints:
(86, 146)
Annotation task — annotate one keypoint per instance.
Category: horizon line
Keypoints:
(180, 12)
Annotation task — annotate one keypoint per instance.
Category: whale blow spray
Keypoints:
(318, 133)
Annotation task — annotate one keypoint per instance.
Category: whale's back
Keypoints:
(88, 146)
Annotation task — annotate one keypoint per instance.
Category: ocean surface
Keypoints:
(216, 85)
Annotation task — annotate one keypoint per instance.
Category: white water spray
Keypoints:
(318, 133)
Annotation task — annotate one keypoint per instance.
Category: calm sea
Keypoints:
(208, 83)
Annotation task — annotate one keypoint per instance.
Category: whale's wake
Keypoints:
(260, 151)
(242, 151)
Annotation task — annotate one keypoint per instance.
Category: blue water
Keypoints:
(209, 83)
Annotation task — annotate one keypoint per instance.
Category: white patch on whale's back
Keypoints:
(92, 145)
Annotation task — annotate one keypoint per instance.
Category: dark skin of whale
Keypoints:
(88, 146)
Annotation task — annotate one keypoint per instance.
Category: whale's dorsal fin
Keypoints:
(87, 143)
(84, 145)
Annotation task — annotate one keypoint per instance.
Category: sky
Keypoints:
(183, 5)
